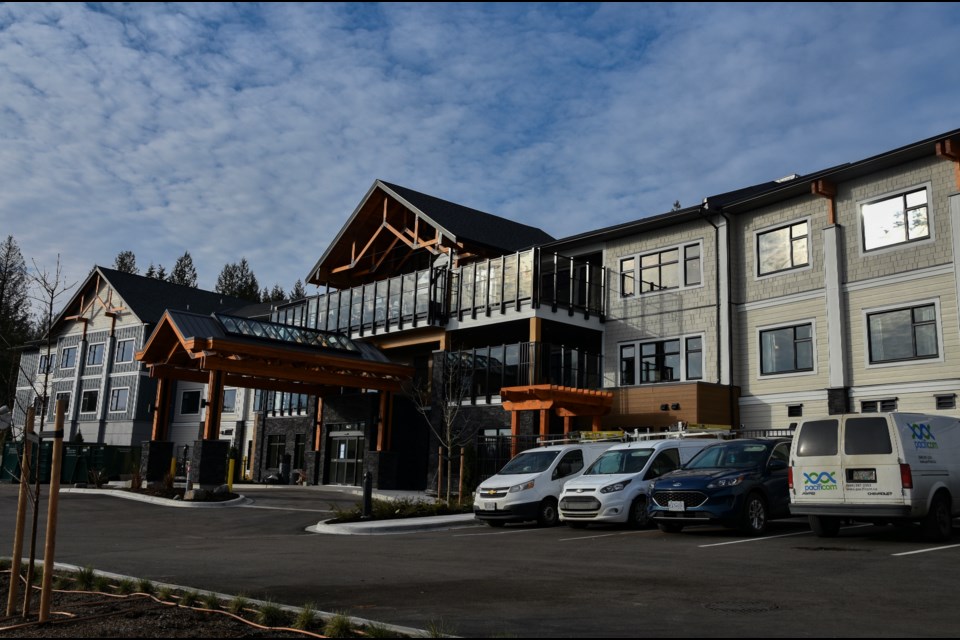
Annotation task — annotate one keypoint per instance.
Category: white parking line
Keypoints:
(910, 553)
(783, 535)
(606, 535)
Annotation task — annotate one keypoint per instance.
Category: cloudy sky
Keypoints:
(253, 131)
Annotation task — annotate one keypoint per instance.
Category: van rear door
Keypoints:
(871, 461)
(817, 473)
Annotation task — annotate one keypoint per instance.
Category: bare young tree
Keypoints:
(441, 405)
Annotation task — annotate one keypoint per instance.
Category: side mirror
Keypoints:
(777, 465)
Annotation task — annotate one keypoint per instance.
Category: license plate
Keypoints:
(676, 505)
(862, 475)
(490, 506)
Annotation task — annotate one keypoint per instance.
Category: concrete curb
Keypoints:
(129, 495)
(400, 525)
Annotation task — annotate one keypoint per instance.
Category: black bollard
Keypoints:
(367, 495)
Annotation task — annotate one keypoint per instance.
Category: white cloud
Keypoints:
(253, 130)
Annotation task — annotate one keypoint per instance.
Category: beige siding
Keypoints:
(771, 412)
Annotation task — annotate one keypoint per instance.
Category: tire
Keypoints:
(755, 515)
(824, 526)
(547, 515)
(638, 517)
(937, 525)
(496, 524)
(670, 527)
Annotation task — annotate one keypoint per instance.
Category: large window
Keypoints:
(903, 334)
(229, 401)
(95, 355)
(782, 248)
(628, 364)
(68, 358)
(673, 268)
(786, 349)
(88, 401)
(118, 399)
(895, 220)
(694, 358)
(190, 403)
(276, 446)
(661, 361)
(125, 351)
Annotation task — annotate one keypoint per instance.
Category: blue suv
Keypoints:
(737, 483)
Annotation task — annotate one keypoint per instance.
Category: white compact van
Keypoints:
(881, 468)
(528, 487)
(615, 487)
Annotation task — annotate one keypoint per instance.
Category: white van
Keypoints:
(881, 468)
(615, 487)
(528, 487)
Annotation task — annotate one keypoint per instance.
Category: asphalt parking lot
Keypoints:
(522, 581)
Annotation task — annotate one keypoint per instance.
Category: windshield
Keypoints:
(733, 455)
(529, 462)
(620, 461)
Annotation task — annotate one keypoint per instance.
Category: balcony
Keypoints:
(527, 280)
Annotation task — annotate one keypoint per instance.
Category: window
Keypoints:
(569, 464)
(68, 358)
(95, 355)
(628, 364)
(873, 406)
(275, 447)
(694, 358)
(659, 271)
(190, 403)
(782, 248)
(299, 448)
(65, 396)
(818, 438)
(786, 350)
(125, 351)
(691, 265)
(44, 365)
(867, 436)
(229, 400)
(628, 277)
(896, 220)
(903, 334)
(118, 399)
(660, 361)
(88, 401)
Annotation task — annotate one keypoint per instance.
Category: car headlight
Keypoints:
(616, 486)
(727, 482)
(521, 487)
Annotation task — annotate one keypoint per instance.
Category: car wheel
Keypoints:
(937, 525)
(670, 527)
(496, 523)
(639, 517)
(755, 515)
(547, 516)
(825, 526)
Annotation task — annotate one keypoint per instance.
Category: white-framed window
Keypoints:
(95, 354)
(68, 357)
(118, 399)
(44, 365)
(904, 333)
(668, 360)
(783, 248)
(677, 267)
(229, 401)
(88, 401)
(895, 219)
(125, 350)
(190, 402)
(65, 396)
(787, 349)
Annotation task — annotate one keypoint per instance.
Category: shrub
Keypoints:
(306, 618)
(270, 615)
(98, 477)
(237, 605)
(338, 626)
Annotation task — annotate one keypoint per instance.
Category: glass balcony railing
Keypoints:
(432, 297)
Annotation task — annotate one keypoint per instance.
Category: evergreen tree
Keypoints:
(126, 262)
(276, 294)
(184, 272)
(15, 327)
(161, 273)
(151, 271)
(298, 290)
(237, 279)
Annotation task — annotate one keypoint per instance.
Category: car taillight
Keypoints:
(790, 477)
(906, 477)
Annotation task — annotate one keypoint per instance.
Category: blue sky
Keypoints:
(253, 131)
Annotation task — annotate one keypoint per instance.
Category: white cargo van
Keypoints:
(881, 468)
(615, 487)
(528, 487)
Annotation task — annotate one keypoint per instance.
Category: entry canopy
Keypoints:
(265, 355)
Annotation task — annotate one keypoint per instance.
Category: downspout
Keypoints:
(706, 211)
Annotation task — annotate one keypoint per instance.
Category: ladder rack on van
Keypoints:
(682, 430)
(575, 437)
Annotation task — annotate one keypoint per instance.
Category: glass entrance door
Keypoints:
(346, 459)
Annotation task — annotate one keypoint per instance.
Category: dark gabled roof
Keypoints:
(472, 225)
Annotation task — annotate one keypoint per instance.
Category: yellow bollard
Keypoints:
(173, 467)
(230, 464)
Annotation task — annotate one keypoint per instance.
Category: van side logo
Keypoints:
(819, 481)
(923, 437)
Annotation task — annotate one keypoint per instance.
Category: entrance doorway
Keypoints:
(346, 457)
